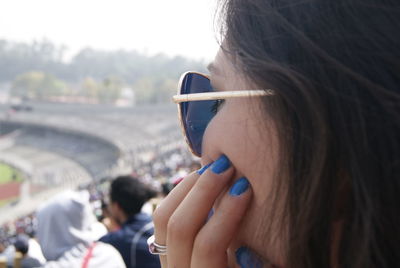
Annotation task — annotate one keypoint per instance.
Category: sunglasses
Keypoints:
(198, 103)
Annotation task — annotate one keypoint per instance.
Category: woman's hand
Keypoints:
(181, 219)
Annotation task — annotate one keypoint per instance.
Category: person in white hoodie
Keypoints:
(68, 231)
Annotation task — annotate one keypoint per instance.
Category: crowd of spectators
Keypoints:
(159, 172)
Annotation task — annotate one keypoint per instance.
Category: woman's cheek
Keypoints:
(252, 150)
(254, 153)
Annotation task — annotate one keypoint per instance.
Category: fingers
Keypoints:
(164, 211)
(180, 219)
(189, 217)
(167, 207)
(211, 243)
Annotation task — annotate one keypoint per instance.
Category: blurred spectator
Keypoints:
(127, 196)
(106, 218)
(35, 251)
(2, 246)
(67, 231)
(7, 253)
(21, 245)
(163, 170)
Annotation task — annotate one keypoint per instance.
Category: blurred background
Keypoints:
(85, 96)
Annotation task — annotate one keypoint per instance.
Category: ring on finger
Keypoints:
(154, 248)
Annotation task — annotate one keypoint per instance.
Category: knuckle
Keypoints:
(160, 218)
(177, 229)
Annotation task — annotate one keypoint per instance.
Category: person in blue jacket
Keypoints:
(127, 196)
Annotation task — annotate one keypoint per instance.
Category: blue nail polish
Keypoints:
(239, 187)
(220, 165)
(210, 213)
(204, 168)
(247, 258)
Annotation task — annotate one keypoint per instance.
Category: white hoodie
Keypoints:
(66, 230)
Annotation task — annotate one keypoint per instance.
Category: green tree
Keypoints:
(37, 85)
(155, 89)
(51, 87)
(27, 84)
(144, 90)
(166, 88)
(110, 89)
(91, 88)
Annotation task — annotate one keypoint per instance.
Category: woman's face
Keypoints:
(242, 132)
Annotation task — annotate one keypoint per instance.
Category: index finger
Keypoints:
(167, 207)
(169, 204)
(191, 214)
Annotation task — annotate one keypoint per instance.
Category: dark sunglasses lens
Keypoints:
(196, 114)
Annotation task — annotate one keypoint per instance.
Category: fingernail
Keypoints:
(204, 168)
(220, 165)
(239, 187)
(247, 258)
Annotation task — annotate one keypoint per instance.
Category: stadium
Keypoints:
(64, 146)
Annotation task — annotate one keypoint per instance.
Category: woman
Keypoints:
(305, 174)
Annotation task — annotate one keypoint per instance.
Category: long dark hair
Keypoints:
(335, 65)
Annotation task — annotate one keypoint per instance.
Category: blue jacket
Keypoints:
(131, 242)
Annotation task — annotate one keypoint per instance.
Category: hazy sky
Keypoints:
(175, 27)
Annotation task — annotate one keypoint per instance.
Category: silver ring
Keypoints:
(155, 248)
